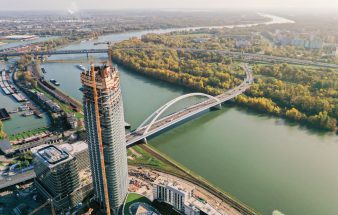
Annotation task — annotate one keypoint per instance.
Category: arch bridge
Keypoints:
(154, 124)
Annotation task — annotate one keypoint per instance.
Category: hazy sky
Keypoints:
(153, 4)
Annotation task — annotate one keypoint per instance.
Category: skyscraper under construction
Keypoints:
(104, 122)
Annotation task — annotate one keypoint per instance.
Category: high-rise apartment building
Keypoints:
(63, 174)
(104, 122)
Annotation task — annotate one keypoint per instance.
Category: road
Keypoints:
(6, 181)
(254, 57)
(240, 55)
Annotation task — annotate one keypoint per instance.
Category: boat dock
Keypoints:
(4, 83)
(34, 109)
(10, 89)
(19, 97)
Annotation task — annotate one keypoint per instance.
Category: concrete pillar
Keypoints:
(217, 107)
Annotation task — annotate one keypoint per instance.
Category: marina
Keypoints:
(27, 107)
(34, 109)
(10, 89)
(28, 113)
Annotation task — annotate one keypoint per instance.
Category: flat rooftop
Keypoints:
(52, 155)
(74, 148)
(203, 206)
(177, 185)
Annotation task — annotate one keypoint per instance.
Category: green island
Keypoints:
(304, 94)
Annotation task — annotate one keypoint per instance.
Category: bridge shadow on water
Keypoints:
(192, 122)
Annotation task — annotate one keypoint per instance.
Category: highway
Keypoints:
(253, 57)
(161, 124)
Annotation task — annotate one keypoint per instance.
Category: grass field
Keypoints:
(133, 198)
(152, 158)
(146, 159)
(27, 134)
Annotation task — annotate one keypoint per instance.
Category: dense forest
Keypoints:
(256, 40)
(303, 94)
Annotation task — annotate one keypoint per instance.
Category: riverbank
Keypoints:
(186, 174)
(202, 192)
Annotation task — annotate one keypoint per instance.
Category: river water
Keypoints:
(18, 123)
(25, 42)
(262, 161)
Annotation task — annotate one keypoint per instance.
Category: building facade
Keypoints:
(62, 173)
(108, 127)
(181, 196)
(171, 194)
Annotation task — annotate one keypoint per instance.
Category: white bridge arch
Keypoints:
(154, 116)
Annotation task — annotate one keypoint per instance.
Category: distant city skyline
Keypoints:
(76, 5)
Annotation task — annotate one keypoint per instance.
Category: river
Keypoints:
(263, 161)
(25, 42)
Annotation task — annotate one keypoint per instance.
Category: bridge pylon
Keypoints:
(217, 107)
